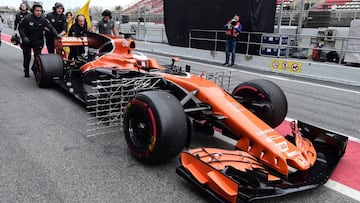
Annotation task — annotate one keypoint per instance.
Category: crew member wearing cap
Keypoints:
(58, 21)
(31, 30)
(106, 25)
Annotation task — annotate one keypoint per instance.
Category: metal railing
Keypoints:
(251, 43)
(336, 18)
(145, 32)
(151, 34)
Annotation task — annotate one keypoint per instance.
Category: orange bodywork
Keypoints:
(213, 161)
(119, 58)
(255, 136)
(264, 163)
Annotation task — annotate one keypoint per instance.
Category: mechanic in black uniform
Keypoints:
(58, 21)
(106, 25)
(31, 30)
(19, 16)
(78, 29)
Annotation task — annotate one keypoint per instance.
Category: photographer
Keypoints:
(233, 27)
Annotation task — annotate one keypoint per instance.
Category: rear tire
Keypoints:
(155, 126)
(46, 67)
(264, 98)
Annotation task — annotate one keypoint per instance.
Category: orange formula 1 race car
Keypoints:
(158, 123)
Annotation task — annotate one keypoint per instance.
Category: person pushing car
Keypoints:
(57, 19)
(31, 30)
(78, 29)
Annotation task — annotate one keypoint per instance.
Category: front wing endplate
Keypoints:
(237, 176)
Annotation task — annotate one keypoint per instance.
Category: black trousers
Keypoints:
(26, 48)
(50, 45)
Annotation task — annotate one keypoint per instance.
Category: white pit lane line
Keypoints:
(343, 189)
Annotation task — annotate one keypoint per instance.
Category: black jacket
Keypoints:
(57, 21)
(77, 31)
(18, 17)
(32, 28)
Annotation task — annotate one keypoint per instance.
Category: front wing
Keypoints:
(237, 176)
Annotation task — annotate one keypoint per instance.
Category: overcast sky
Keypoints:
(48, 4)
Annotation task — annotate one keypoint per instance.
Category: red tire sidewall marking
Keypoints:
(151, 146)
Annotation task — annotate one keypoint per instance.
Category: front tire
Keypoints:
(46, 67)
(155, 126)
(264, 98)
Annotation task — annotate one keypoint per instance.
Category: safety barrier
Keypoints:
(278, 45)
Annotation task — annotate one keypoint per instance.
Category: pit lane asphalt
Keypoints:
(45, 156)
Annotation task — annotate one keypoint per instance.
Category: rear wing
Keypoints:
(93, 41)
(71, 41)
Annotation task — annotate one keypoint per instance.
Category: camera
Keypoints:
(233, 22)
(15, 39)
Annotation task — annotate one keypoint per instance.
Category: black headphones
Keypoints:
(57, 5)
(36, 4)
(76, 20)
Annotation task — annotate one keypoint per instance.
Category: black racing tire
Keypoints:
(155, 127)
(46, 67)
(264, 98)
